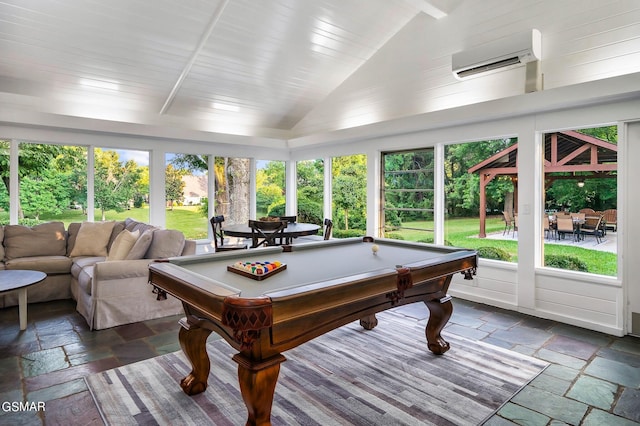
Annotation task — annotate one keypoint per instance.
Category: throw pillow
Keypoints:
(141, 246)
(122, 245)
(46, 239)
(166, 243)
(92, 239)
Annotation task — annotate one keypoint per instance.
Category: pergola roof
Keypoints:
(567, 151)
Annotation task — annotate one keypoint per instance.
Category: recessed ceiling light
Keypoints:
(99, 84)
(226, 107)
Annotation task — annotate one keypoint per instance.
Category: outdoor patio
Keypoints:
(609, 242)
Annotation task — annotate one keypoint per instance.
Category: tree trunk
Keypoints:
(238, 176)
(508, 203)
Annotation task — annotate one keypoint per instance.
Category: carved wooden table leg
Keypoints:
(439, 313)
(369, 322)
(257, 384)
(193, 341)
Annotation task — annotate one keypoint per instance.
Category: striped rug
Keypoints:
(350, 376)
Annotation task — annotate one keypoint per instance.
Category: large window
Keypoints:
(270, 188)
(52, 183)
(481, 197)
(121, 184)
(581, 200)
(310, 187)
(408, 182)
(349, 195)
(186, 183)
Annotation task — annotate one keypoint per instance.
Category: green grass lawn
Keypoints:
(187, 219)
(463, 232)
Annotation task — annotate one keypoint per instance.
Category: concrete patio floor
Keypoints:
(609, 243)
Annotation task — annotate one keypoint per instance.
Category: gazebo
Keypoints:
(568, 151)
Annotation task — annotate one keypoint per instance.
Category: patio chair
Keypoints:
(547, 227)
(564, 226)
(611, 219)
(592, 226)
(508, 222)
(218, 236)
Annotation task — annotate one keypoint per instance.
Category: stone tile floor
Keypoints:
(593, 378)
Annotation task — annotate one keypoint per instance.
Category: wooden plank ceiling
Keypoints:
(282, 68)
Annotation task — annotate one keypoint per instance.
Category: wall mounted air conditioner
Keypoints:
(499, 55)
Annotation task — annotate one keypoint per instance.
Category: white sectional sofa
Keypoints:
(101, 265)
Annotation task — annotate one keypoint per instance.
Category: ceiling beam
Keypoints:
(187, 68)
(428, 8)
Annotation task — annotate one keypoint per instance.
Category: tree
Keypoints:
(349, 191)
(231, 180)
(174, 185)
(270, 183)
(34, 160)
(47, 193)
(115, 183)
(310, 184)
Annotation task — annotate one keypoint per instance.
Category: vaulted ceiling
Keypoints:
(287, 68)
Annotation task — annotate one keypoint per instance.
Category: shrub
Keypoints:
(565, 262)
(430, 240)
(394, 236)
(341, 233)
(493, 253)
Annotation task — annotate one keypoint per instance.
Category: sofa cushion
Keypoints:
(85, 277)
(46, 239)
(80, 263)
(141, 246)
(118, 227)
(165, 243)
(92, 239)
(122, 245)
(72, 234)
(50, 265)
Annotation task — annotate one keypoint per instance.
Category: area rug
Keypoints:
(350, 376)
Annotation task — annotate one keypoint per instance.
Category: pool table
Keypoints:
(325, 285)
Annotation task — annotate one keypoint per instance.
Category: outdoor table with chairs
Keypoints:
(578, 225)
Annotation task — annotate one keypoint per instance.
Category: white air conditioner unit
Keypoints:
(499, 55)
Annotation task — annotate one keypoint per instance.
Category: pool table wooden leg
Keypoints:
(369, 322)
(257, 385)
(193, 341)
(440, 311)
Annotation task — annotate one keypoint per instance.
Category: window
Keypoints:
(580, 199)
(53, 183)
(310, 183)
(270, 188)
(121, 184)
(186, 183)
(480, 197)
(349, 194)
(408, 181)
